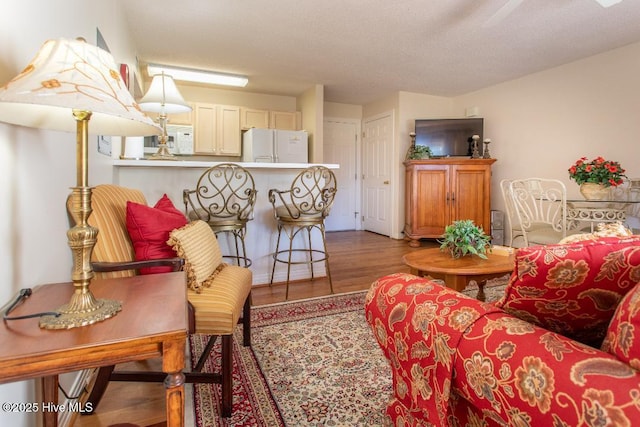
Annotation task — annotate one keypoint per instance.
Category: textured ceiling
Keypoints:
(364, 50)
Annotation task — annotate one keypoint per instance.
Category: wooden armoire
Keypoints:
(440, 191)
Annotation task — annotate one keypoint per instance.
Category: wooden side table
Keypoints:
(152, 323)
(457, 273)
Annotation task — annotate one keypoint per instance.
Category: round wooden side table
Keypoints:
(457, 273)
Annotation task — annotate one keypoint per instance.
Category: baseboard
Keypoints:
(299, 272)
(80, 390)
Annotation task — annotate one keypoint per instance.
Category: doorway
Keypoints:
(340, 146)
(377, 143)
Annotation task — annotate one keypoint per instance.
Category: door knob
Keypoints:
(386, 183)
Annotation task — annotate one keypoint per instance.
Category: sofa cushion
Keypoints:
(603, 229)
(197, 244)
(504, 371)
(220, 305)
(149, 229)
(623, 336)
(573, 289)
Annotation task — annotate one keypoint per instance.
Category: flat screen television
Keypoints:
(449, 137)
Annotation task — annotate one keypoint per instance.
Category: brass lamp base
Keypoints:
(82, 310)
(163, 153)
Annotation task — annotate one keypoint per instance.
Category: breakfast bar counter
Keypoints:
(157, 177)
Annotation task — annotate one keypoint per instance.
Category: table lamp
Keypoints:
(163, 97)
(68, 83)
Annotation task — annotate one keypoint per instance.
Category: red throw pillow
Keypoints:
(149, 229)
(623, 335)
(573, 289)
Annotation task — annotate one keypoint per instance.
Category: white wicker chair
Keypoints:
(515, 230)
(540, 206)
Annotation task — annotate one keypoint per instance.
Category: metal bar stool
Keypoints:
(224, 198)
(303, 207)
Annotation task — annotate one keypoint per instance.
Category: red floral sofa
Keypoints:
(523, 361)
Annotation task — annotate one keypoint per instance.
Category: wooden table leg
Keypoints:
(49, 401)
(482, 281)
(481, 296)
(172, 365)
(456, 282)
(460, 282)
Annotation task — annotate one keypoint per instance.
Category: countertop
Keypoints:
(208, 164)
(155, 178)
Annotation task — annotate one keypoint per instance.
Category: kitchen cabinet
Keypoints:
(185, 119)
(253, 118)
(270, 119)
(285, 120)
(440, 191)
(217, 130)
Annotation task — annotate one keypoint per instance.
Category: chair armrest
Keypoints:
(186, 199)
(418, 324)
(508, 360)
(104, 267)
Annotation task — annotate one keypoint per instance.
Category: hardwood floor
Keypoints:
(357, 258)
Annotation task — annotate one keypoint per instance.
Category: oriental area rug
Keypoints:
(312, 363)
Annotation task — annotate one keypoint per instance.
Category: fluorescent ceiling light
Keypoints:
(198, 76)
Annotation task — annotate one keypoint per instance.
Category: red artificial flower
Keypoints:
(600, 171)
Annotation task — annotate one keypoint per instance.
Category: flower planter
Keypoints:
(594, 191)
(596, 176)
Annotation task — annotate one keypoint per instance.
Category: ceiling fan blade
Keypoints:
(607, 3)
(505, 11)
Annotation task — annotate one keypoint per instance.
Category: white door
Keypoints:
(340, 147)
(376, 169)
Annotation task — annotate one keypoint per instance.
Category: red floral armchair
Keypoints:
(523, 361)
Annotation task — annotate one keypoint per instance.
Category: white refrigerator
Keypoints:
(275, 146)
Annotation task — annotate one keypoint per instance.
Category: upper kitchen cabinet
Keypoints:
(265, 119)
(217, 130)
(185, 119)
(285, 120)
(252, 118)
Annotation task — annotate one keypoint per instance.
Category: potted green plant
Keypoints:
(465, 238)
(420, 152)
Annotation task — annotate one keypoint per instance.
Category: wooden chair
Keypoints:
(215, 311)
(304, 206)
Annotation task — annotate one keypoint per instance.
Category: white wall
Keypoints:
(343, 111)
(194, 93)
(311, 103)
(38, 167)
(406, 107)
(542, 123)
